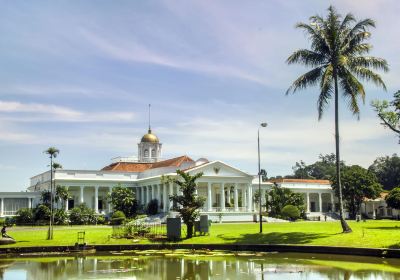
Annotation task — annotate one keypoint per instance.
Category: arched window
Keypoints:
(146, 153)
(153, 153)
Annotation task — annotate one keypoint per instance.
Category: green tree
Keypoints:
(123, 199)
(52, 152)
(389, 113)
(62, 195)
(393, 198)
(41, 213)
(187, 204)
(279, 197)
(387, 169)
(357, 183)
(337, 56)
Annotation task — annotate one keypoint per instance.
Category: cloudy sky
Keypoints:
(78, 75)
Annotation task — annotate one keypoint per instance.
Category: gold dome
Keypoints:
(149, 138)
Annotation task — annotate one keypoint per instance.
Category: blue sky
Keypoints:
(78, 75)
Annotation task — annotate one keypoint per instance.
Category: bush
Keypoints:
(24, 216)
(9, 221)
(152, 207)
(60, 217)
(290, 212)
(41, 213)
(101, 220)
(118, 218)
(131, 230)
(82, 215)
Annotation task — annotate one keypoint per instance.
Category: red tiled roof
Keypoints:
(127, 167)
(140, 167)
(311, 181)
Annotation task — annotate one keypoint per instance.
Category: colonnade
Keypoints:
(162, 192)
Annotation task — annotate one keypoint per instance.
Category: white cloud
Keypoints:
(36, 112)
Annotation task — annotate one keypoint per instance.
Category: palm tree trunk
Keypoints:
(345, 226)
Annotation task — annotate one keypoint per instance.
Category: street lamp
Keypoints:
(259, 173)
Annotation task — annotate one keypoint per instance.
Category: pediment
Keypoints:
(218, 168)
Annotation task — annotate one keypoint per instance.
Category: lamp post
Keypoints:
(259, 173)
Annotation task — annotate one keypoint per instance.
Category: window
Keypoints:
(146, 153)
(153, 153)
(12, 205)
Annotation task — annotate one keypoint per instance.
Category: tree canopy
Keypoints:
(387, 170)
(358, 183)
(393, 198)
(123, 199)
(279, 197)
(389, 112)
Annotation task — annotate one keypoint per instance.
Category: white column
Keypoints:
(109, 203)
(96, 199)
(333, 202)
(165, 198)
(262, 198)
(178, 190)
(171, 192)
(29, 202)
(373, 209)
(235, 197)
(244, 197)
(158, 194)
(81, 195)
(308, 202)
(153, 192)
(2, 207)
(148, 198)
(249, 198)
(142, 195)
(66, 205)
(222, 202)
(209, 197)
(320, 202)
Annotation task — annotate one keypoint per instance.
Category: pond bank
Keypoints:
(373, 252)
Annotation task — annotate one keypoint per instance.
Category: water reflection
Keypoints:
(187, 266)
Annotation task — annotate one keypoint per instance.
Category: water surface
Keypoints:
(199, 265)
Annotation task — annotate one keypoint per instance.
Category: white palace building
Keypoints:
(228, 191)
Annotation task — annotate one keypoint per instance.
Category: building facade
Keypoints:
(229, 192)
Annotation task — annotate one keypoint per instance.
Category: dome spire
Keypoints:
(149, 118)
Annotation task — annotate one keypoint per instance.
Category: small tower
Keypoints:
(149, 148)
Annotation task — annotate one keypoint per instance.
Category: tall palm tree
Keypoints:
(52, 152)
(337, 56)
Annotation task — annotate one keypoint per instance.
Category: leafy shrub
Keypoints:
(41, 213)
(60, 217)
(24, 216)
(133, 229)
(82, 215)
(290, 212)
(118, 218)
(101, 220)
(9, 221)
(152, 207)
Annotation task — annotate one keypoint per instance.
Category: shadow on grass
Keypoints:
(384, 228)
(275, 238)
(394, 246)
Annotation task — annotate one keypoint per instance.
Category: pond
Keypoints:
(181, 264)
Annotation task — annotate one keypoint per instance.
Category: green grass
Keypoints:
(373, 234)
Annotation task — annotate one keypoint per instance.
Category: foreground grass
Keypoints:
(373, 234)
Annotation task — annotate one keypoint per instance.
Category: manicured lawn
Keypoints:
(374, 234)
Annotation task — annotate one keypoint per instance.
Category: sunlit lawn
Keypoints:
(374, 234)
